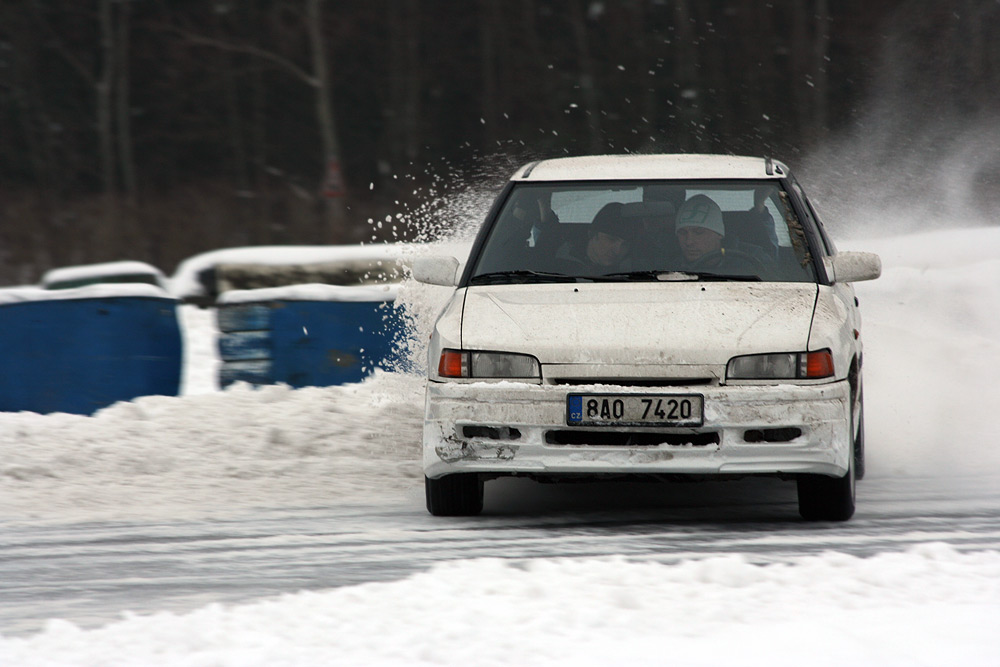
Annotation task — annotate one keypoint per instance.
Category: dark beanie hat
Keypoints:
(609, 220)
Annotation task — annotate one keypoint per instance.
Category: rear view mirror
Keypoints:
(440, 270)
(850, 267)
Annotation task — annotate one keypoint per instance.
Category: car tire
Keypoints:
(859, 442)
(460, 494)
(824, 498)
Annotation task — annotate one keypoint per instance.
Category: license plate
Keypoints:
(634, 410)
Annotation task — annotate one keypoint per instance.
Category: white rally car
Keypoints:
(658, 315)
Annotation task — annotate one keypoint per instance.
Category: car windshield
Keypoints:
(645, 231)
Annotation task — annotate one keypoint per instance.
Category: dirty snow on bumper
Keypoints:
(507, 428)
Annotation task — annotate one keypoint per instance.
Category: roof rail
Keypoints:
(527, 170)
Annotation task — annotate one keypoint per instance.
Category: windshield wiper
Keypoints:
(629, 275)
(674, 276)
(520, 276)
(704, 275)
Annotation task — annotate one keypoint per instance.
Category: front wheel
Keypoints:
(859, 441)
(460, 494)
(823, 498)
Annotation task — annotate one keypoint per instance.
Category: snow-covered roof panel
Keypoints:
(185, 282)
(313, 292)
(95, 291)
(122, 271)
(682, 166)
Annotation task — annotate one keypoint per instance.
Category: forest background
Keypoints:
(153, 130)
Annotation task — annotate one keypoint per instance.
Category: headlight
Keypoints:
(468, 364)
(785, 366)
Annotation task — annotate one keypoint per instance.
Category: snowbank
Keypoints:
(213, 452)
(930, 605)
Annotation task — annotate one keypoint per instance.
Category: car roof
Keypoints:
(634, 166)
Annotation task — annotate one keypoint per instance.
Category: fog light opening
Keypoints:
(491, 432)
(772, 434)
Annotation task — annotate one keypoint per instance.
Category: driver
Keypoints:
(699, 229)
(700, 235)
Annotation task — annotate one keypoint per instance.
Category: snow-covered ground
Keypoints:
(932, 353)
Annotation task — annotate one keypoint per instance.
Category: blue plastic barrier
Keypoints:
(307, 343)
(78, 355)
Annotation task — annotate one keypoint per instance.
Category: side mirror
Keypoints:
(851, 267)
(436, 271)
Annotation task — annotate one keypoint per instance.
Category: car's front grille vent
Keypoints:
(629, 438)
(637, 382)
(491, 432)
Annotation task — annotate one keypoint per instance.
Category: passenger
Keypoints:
(701, 234)
(761, 223)
(526, 234)
(530, 217)
(606, 247)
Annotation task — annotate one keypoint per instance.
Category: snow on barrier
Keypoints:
(307, 335)
(127, 271)
(78, 350)
(202, 279)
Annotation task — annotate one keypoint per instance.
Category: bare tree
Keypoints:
(645, 71)
(317, 77)
(99, 70)
(540, 108)
(126, 157)
(489, 24)
(688, 100)
(335, 213)
(103, 81)
(586, 76)
(405, 77)
(820, 77)
(20, 78)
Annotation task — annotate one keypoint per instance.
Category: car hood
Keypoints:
(661, 327)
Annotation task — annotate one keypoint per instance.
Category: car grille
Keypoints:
(637, 382)
(628, 438)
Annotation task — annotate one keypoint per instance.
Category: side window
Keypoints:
(827, 241)
(780, 230)
(810, 215)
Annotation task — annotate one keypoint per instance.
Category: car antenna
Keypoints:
(768, 165)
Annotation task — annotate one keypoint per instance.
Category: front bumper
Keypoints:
(516, 428)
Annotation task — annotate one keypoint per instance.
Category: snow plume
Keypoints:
(452, 203)
(924, 154)
(452, 209)
(930, 328)
(418, 306)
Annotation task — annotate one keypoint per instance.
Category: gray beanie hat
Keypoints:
(700, 211)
